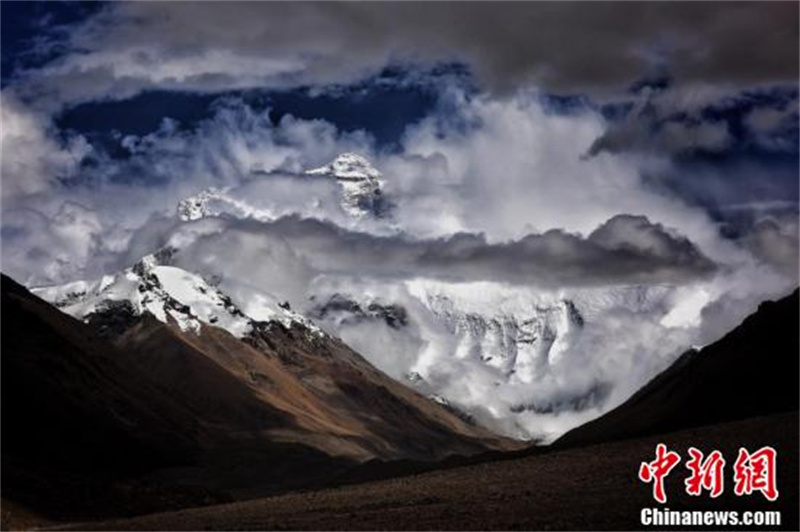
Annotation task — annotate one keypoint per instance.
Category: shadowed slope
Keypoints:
(152, 406)
(752, 371)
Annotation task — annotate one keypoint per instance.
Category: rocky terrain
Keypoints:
(587, 488)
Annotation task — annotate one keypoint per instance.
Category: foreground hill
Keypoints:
(754, 370)
(150, 415)
(588, 488)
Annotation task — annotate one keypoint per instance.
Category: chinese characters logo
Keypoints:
(752, 472)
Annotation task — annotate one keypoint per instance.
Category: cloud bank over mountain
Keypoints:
(647, 177)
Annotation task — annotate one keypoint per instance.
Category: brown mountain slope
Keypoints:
(752, 371)
(153, 406)
(306, 388)
(76, 424)
(292, 410)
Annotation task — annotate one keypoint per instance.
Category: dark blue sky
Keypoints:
(23, 24)
(383, 105)
(382, 109)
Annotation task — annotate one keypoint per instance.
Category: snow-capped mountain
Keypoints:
(519, 342)
(170, 294)
(522, 333)
(527, 362)
(356, 188)
(197, 206)
(360, 183)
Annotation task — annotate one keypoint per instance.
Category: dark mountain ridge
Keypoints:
(752, 371)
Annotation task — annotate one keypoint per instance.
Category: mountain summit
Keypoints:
(360, 183)
(196, 207)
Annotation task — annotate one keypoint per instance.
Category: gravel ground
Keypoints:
(589, 488)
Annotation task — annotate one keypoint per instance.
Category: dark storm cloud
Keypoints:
(574, 46)
(624, 250)
(775, 241)
(676, 121)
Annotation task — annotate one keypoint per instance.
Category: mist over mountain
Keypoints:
(527, 351)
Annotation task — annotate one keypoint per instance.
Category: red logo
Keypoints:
(756, 472)
(752, 472)
(705, 474)
(658, 469)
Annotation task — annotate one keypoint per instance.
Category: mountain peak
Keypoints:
(360, 183)
(196, 207)
(170, 294)
(358, 180)
(348, 167)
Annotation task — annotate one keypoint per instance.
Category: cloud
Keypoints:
(233, 144)
(212, 47)
(669, 121)
(775, 241)
(669, 138)
(59, 245)
(625, 250)
(33, 158)
(42, 174)
(500, 167)
(766, 119)
(507, 166)
(685, 120)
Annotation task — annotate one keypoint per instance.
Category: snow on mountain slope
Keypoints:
(525, 333)
(170, 294)
(526, 362)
